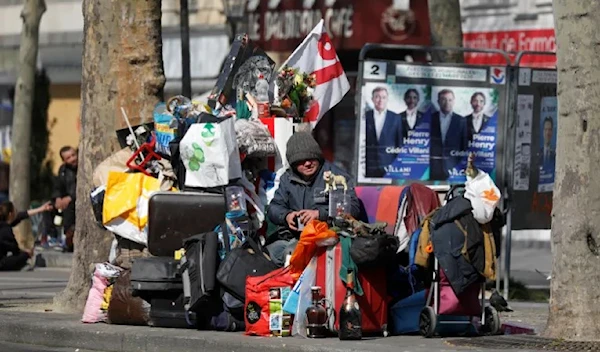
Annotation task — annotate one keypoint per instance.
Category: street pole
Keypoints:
(186, 76)
(233, 29)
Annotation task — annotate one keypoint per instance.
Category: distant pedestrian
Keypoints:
(11, 257)
(65, 191)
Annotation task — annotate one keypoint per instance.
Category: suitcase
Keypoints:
(199, 269)
(175, 216)
(155, 274)
(167, 310)
(374, 301)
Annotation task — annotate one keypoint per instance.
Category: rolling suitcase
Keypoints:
(175, 216)
(155, 274)
(374, 301)
(167, 310)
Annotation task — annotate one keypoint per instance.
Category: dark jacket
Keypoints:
(449, 241)
(295, 194)
(406, 126)
(65, 184)
(470, 130)
(8, 243)
(377, 156)
(441, 159)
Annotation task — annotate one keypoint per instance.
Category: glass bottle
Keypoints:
(350, 315)
(58, 219)
(316, 316)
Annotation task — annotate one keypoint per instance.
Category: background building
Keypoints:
(509, 25)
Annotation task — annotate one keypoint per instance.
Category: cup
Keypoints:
(338, 203)
(236, 203)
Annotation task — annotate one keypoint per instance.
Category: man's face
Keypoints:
(70, 157)
(547, 132)
(308, 168)
(446, 102)
(477, 103)
(411, 100)
(380, 99)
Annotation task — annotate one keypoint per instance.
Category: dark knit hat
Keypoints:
(302, 146)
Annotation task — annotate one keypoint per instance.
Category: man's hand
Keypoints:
(291, 220)
(63, 203)
(307, 216)
(46, 207)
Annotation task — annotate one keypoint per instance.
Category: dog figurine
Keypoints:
(331, 181)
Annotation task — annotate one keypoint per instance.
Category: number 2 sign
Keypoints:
(374, 70)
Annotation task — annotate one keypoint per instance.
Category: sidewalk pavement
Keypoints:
(32, 325)
(52, 258)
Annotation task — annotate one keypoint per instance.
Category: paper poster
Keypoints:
(424, 132)
(522, 166)
(547, 151)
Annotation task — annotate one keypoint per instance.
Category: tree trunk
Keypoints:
(122, 67)
(21, 127)
(446, 29)
(574, 296)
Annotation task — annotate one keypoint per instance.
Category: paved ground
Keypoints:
(66, 331)
(525, 261)
(13, 347)
(38, 284)
(26, 317)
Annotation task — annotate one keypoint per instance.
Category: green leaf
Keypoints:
(194, 165)
(196, 146)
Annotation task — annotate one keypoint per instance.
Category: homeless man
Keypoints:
(300, 197)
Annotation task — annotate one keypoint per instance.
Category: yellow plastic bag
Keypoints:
(125, 210)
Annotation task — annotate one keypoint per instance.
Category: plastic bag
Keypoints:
(254, 139)
(210, 154)
(484, 196)
(314, 232)
(95, 310)
(265, 297)
(125, 209)
(301, 297)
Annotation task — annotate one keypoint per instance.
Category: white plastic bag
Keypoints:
(484, 196)
(301, 297)
(210, 154)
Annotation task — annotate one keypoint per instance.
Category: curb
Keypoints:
(60, 330)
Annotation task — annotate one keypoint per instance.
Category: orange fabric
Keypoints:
(387, 207)
(313, 232)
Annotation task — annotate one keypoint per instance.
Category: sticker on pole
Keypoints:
(498, 75)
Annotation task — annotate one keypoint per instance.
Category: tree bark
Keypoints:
(21, 126)
(122, 67)
(574, 295)
(446, 29)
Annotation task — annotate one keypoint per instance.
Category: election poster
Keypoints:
(547, 154)
(420, 123)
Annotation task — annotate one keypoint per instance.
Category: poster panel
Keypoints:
(534, 149)
(419, 123)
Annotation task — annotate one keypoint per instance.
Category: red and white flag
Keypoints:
(317, 55)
